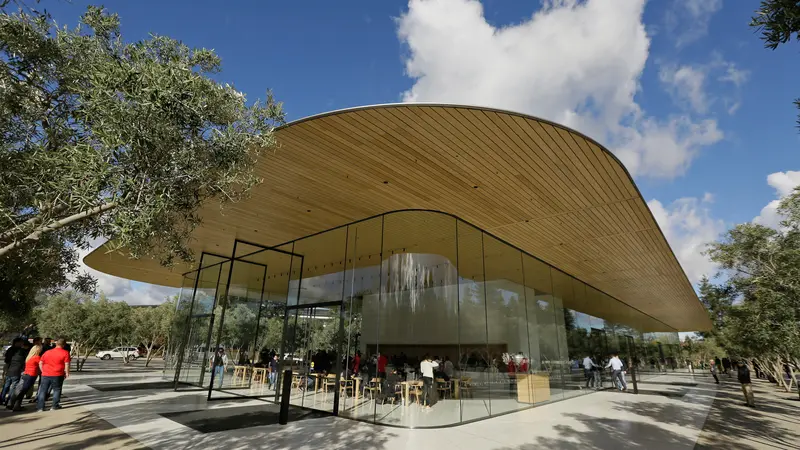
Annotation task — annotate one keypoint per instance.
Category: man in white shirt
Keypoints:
(616, 371)
(590, 372)
(426, 367)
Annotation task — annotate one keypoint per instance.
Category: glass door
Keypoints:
(313, 338)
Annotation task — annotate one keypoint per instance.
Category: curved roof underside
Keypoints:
(548, 190)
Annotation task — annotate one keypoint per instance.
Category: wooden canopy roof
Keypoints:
(546, 189)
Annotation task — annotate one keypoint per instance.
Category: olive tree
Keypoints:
(125, 140)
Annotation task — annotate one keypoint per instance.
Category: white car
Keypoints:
(118, 352)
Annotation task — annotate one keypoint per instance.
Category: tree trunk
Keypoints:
(85, 357)
(779, 375)
(794, 378)
(149, 354)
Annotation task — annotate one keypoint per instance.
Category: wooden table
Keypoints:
(406, 385)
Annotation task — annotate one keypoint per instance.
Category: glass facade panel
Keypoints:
(507, 327)
(180, 322)
(381, 318)
(474, 361)
(361, 286)
(545, 381)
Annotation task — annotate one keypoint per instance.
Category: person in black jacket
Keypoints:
(747, 388)
(14, 363)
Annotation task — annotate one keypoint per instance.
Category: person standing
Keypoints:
(273, 372)
(616, 371)
(382, 361)
(55, 369)
(449, 370)
(588, 371)
(426, 367)
(29, 395)
(357, 362)
(747, 388)
(713, 370)
(28, 378)
(47, 345)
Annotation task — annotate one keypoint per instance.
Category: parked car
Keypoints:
(293, 358)
(118, 352)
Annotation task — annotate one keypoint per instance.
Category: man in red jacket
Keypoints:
(55, 369)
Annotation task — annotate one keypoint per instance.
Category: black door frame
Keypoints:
(232, 260)
(338, 348)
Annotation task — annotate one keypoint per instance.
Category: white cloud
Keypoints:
(586, 77)
(120, 289)
(783, 183)
(687, 20)
(688, 226)
(687, 84)
(734, 74)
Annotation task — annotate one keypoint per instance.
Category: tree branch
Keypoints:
(55, 225)
(18, 229)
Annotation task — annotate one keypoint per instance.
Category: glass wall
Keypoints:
(414, 319)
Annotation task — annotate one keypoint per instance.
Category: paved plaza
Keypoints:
(122, 408)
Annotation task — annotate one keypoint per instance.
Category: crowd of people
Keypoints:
(28, 361)
(592, 372)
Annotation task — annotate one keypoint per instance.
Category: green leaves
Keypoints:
(757, 311)
(778, 21)
(101, 137)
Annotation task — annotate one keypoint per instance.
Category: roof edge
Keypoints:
(513, 113)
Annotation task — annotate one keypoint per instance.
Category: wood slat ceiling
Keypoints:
(541, 187)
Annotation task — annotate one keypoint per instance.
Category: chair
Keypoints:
(328, 381)
(443, 387)
(297, 380)
(373, 387)
(466, 386)
(259, 375)
(415, 389)
(347, 385)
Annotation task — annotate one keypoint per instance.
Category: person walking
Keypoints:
(616, 371)
(14, 363)
(28, 378)
(713, 370)
(747, 388)
(218, 364)
(426, 367)
(55, 369)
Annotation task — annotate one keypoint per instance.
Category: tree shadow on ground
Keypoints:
(604, 433)
(732, 425)
(90, 431)
(675, 414)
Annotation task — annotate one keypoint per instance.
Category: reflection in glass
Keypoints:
(359, 314)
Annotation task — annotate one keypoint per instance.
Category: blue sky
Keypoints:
(682, 90)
